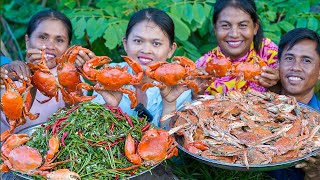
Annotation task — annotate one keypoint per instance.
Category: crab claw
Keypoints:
(130, 151)
(63, 174)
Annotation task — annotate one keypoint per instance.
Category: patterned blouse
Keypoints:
(267, 53)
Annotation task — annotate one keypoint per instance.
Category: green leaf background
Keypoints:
(100, 25)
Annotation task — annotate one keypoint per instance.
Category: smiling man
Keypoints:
(299, 52)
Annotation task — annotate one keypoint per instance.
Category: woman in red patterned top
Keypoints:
(240, 39)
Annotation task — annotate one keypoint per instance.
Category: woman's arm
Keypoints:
(170, 94)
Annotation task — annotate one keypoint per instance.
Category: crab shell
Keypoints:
(63, 174)
(12, 105)
(219, 67)
(25, 158)
(45, 83)
(169, 74)
(249, 70)
(154, 145)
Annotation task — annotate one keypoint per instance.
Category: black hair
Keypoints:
(292, 37)
(49, 14)
(159, 17)
(248, 6)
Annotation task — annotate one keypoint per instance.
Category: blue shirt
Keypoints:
(314, 102)
(154, 104)
(4, 60)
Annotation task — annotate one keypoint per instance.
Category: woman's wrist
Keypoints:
(167, 108)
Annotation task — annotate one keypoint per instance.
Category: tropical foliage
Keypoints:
(100, 24)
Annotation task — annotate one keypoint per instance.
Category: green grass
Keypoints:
(185, 167)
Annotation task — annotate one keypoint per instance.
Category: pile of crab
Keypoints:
(247, 128)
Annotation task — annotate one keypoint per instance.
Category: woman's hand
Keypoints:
(111, 98)
(311, 166)
(33, 55)
(171, 93)
(83, 57)
(20, 68)
(269, 76)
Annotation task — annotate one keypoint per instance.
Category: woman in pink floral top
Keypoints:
(240, 38)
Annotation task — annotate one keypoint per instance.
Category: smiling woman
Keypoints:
(240, 39)
(49, 31)
(149, 39)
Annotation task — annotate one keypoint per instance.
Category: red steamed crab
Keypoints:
(155, 145)
(112, 78)
(28, 160)
(69, 76)
(15, 104)
(222, 66)
(170, 74)
(44, 80)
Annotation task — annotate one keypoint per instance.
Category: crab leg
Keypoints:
(136, 68)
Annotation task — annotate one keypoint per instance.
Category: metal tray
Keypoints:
(239, 167)
(31, 129)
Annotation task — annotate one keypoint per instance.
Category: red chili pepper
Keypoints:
(63, 126)
(111, 128)
(57, 124)
(48, 127)
(117, 177)
(65, 134)
(110, 108)
(110, 145)
(101, 142)
(71, 110)
(80, 134)
(114, 143)
(132, 173)
(119, 111)
(119, 117)
(54, 129)
(61, 120)
(90, 143)
(129, 120)
(146, 127)
(120, 138)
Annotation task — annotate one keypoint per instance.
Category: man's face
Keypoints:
(299, 68)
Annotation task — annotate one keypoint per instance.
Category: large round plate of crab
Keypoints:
(246, 130)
